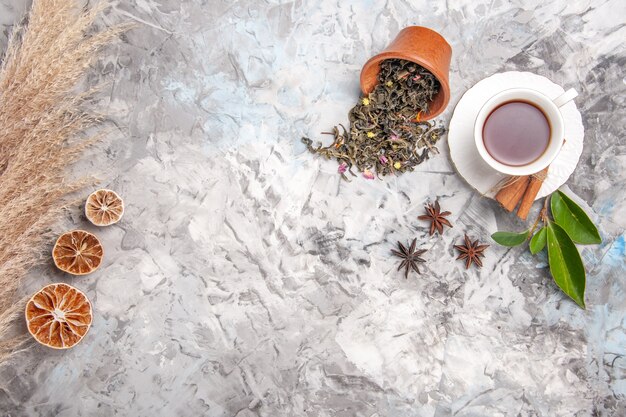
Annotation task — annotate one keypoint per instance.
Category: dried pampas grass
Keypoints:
(41, 124)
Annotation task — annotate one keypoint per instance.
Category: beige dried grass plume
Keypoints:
(41, 124)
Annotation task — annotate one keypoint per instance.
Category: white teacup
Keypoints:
(550, 109)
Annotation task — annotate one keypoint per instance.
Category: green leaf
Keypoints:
(538, 242)
(510, 238)
(566, 266)
(573, 219)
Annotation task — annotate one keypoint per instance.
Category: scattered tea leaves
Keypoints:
(510, 238)
(386, 135)
(538, 242)
(573, 220)
(566, 266)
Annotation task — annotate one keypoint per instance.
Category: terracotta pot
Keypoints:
(424, 47)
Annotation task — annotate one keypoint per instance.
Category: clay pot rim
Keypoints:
(445, 87)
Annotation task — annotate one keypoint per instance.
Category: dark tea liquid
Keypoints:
(516, 133)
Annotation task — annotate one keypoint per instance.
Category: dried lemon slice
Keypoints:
(58, 316)
(104, 207)
(77, 252)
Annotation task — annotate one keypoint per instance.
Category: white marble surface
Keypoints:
(247, 280)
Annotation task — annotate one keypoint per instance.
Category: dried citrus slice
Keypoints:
(77, 252)
(104, 207)
(58, 316)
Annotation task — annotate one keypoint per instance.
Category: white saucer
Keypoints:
(463, 151)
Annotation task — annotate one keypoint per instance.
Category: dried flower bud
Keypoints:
(368, 174)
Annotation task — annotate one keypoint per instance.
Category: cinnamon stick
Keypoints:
(512, 193)
(536, 180)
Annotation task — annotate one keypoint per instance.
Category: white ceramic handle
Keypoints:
(566, 97)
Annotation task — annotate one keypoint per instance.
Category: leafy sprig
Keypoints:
(568, 226)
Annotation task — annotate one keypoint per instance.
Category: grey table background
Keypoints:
(247, 280)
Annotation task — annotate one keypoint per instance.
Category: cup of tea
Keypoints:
(520, 131)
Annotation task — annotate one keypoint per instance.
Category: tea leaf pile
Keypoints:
(386, 135)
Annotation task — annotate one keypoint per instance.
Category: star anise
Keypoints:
(410, 257)
(436, 217)
(471, 252)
